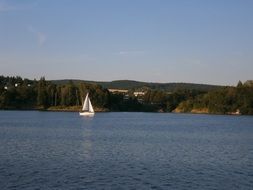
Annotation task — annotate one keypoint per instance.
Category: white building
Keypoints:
(139, 94)
(118, 91)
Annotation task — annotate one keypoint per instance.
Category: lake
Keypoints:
(60, 150)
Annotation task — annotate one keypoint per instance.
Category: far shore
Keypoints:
(78, 109)
(73, 109)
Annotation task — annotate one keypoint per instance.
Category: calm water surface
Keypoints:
(51, 150)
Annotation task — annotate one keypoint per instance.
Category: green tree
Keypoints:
(42, 93)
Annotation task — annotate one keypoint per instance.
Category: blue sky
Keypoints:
(198, 41)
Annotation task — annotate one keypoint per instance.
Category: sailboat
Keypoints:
(87, 109)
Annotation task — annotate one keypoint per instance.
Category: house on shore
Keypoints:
(120, 91)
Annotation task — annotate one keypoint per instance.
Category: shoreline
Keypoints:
(103, 110)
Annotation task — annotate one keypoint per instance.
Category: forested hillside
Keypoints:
(18, 93)
(130, 84)
(231, 100)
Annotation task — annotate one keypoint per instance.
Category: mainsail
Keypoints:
(86, 103)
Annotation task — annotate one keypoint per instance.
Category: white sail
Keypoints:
(87, 109)
(90, 107)
(86, 103)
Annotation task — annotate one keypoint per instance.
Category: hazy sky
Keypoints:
(198, 41)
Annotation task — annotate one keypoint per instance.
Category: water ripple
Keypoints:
(44, 150)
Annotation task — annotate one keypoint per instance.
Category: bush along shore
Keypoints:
(17, 93)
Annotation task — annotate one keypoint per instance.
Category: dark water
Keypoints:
(50, 150)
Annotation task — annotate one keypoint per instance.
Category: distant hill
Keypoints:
(130, 84)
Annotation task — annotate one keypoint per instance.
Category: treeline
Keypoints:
(18, 93)
(228, 100)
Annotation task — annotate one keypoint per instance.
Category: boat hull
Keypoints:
(88, 114)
